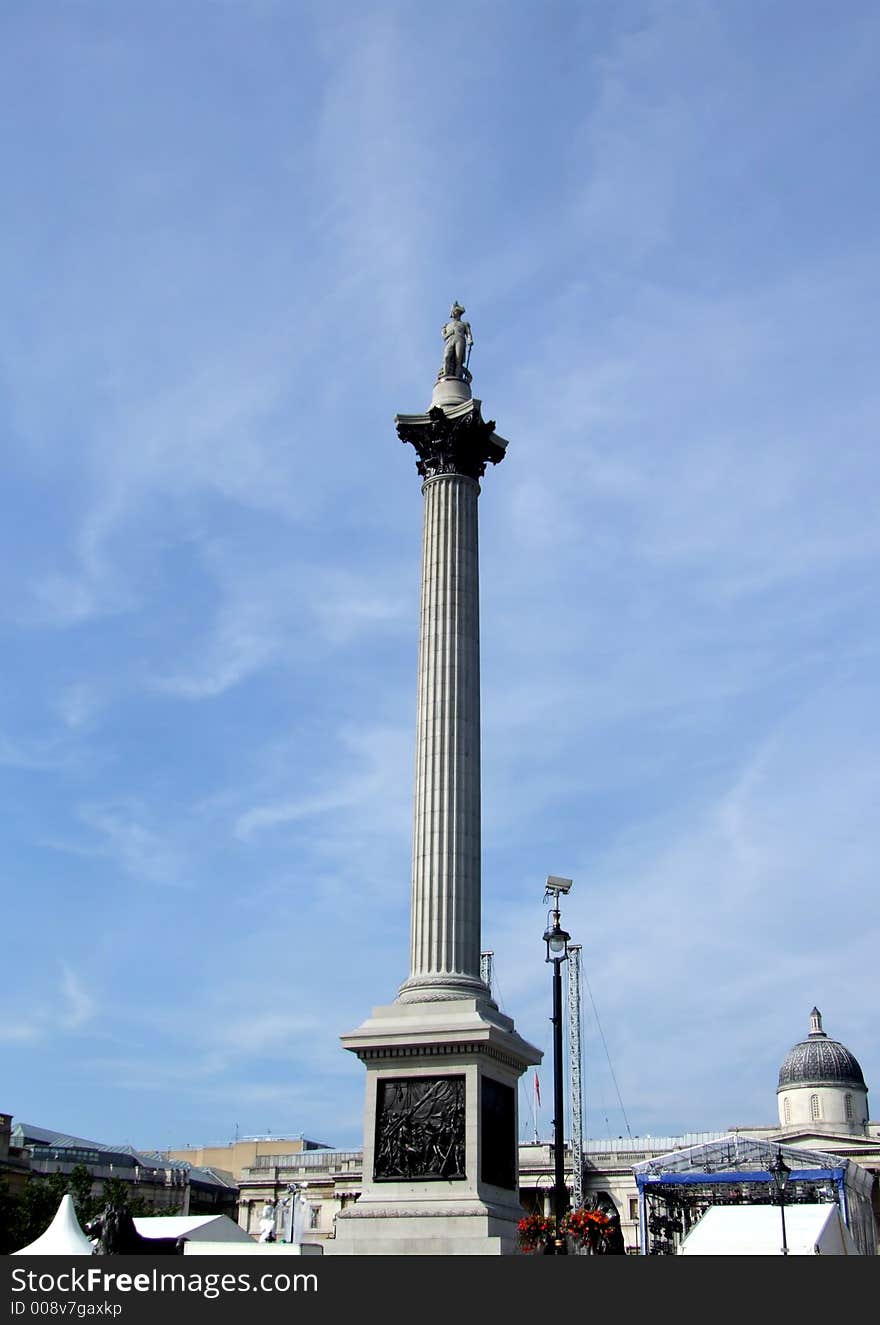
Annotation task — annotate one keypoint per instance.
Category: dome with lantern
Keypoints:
(821, 1085)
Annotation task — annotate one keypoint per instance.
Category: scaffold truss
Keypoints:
(574, 1063)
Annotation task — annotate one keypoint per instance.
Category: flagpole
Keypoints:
(537, 1104)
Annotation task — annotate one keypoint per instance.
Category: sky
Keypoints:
(231, 233)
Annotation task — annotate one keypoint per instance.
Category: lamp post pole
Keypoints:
(781, 1173)
(556, 940)
(560, 1191)
(291, 1209)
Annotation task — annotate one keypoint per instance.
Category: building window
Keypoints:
(634, 1209)
(847, 1106)
(815, 1111)
(786, 1110)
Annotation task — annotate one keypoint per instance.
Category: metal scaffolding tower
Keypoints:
(487, 973)
(574, 1058)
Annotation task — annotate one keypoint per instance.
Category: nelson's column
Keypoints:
(440, 1122)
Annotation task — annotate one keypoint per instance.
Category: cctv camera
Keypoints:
(557, 885)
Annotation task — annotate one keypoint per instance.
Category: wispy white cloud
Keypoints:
(721, 915)
(16, 1031)
(139, 849)
(346, 606)
(78, 1005)
(212, 526)
(273, 1032)
(77, 704)
(371, 794)
(33, 754)
(247, 637)
(57, 1008)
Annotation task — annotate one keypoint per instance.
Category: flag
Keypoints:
(537, 1089)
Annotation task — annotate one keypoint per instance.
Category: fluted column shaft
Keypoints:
(445, 927)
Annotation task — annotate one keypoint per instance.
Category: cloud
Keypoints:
(271, 616)
(377, 756)
(211, 523)
(721, 911)
(21, 1031)
(138, 849)
(77, 705)
(35, 755)
(64, 1007)
(247, 636)
(78, 1004)
(272, 1032)
(347, 606)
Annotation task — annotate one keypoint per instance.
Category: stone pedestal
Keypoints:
(450, 391)
(441, 1119)
(440, 1133)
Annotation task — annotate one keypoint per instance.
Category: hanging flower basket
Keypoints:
(534, 1230)
(587, 1228)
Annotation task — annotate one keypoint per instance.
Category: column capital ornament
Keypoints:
(457, 440)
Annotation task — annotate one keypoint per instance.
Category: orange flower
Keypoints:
(586, 1226)
(533, 1230)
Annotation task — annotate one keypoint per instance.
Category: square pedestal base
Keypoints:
(440, 1132)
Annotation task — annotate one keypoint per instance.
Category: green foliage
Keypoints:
(40, 1201)
(8, 1216)
(80, 1184)
(25, 1215)
(119, 1193)
(115, 1193)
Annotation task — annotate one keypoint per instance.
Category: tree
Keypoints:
(24, 1216)
(27, 1214)
(8, 1219)
(118, 1193)
(80, 1185)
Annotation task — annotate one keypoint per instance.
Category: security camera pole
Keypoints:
(556, 939)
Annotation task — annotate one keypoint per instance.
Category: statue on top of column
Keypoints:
(457, 349)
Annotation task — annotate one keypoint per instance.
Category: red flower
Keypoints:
(533, 1231)
(586, 1226)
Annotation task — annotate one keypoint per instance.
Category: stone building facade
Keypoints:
(822, 1100)
(165, 1185)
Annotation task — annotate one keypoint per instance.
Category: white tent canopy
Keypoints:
(199, 1228)
(756, 1230)
(63, 1237)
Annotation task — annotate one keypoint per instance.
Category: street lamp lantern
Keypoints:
(780, 1172)
(556, 940)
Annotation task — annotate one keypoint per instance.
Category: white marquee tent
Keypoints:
(196, 1228)
(63, 1237)
(756, 1230)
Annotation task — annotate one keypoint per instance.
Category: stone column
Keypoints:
(443, 1063)
(445, 916)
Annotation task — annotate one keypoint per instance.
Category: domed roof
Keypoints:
(819, 1060)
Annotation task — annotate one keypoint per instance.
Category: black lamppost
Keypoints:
(556, 939)
(781, 1174)
(290, 1202)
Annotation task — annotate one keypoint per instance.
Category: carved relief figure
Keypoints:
(420, 1128)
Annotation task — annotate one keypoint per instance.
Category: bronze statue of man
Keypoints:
(458, 341)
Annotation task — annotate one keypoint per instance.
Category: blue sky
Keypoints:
(231, 232)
